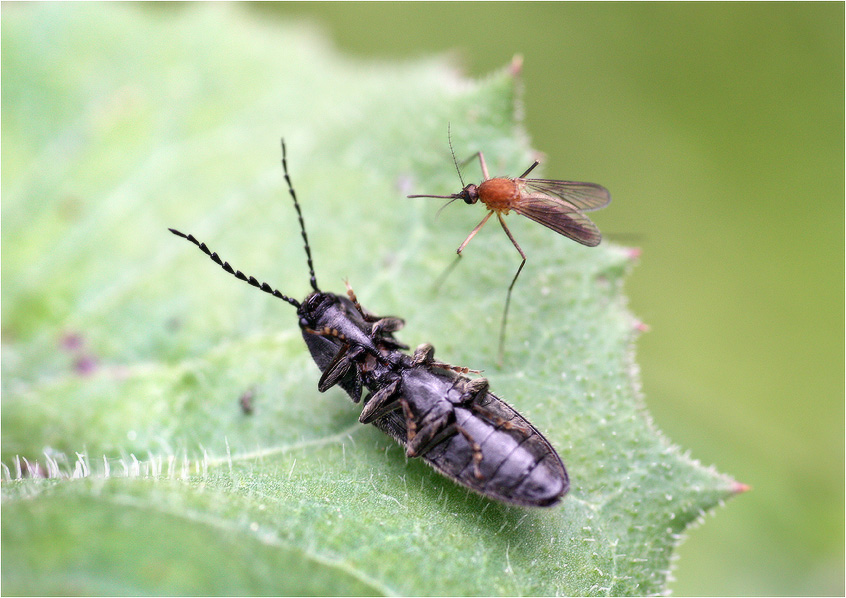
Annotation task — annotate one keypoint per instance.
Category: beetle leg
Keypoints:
(380, 403)
(381, 326)
(355, 391)
(475, 447)
(425, 434)
(351, 294)
(499, 422)
(392, 325)
(411, 428)
(386, 325)
(454, 368)
(428, 436)
(338, 368)
(475, 390)
(326, 331)
(425, 354)
(368, 316)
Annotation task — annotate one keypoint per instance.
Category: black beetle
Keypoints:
(431, 408)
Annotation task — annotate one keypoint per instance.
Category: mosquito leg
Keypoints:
(481, 163)
(528, 170)
(510, 288)
(442, 278)
(484, 166)
(452, 266)
(475, 230)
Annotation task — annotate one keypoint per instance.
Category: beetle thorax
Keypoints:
(499, 195)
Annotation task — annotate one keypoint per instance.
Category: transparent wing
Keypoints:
(562, 216)
(583, 197)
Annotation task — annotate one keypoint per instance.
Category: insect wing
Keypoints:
(582, 197)
(559, 215)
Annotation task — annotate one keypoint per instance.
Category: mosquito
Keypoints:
(559, 205)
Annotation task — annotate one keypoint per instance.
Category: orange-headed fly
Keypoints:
(559, 205)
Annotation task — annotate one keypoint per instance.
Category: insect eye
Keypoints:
(470, 194)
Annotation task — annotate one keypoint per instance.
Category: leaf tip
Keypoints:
(739, 488)
(640, 326)
(516, 66)
(633, 253)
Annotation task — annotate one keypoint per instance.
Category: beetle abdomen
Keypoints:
(516, 468)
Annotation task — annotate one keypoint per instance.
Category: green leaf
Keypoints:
(126, 352)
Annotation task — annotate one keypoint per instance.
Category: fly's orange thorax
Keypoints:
(499, 195)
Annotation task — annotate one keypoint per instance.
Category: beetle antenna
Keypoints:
(236, 273)
(313, 279)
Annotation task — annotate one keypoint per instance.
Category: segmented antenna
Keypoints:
(237, 273)
(300, 216)
(452, 151)
(454, 196)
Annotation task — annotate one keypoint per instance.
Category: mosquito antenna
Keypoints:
(236, 273)
(452, 151)
(454, 196)
(441, 209)
(300, 216)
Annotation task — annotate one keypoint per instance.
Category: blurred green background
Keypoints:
(719, 131)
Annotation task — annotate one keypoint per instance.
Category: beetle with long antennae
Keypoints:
(431, 408)
(558, 205)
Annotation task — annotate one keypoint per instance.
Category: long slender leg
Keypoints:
(475, 230)
(510, 287)
(454, 263)
(442, 278)
(484, 166)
